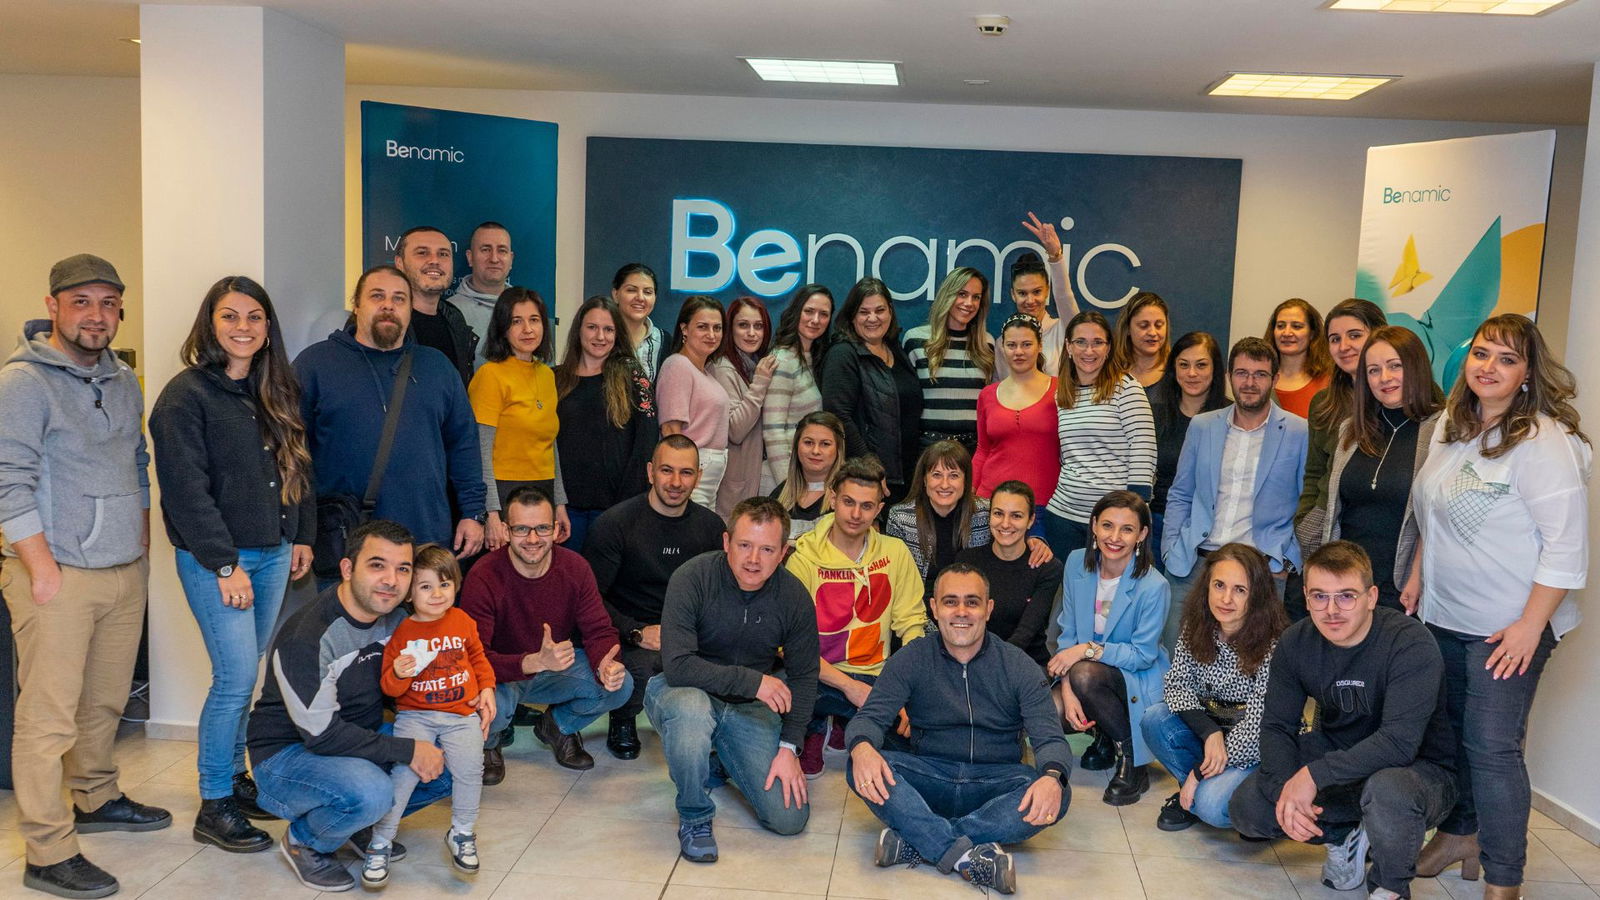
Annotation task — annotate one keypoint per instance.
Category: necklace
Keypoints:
(1393, 430)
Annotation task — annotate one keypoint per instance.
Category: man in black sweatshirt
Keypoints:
(655, 533)
(729, 613)
(1377, 771)
(963, 791)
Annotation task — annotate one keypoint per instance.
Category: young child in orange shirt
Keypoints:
(435, 667)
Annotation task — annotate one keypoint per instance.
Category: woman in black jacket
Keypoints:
(237, 499)
(868, 382)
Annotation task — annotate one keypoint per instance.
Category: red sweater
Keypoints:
(511, 611)
(457, 674)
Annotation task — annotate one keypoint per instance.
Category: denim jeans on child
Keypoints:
(692, 724)
(573, 696)
(235, 639)
(461, 739)
(326, 799)
(1178, 749)
(944, 808)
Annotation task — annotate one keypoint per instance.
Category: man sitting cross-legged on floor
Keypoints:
(963, 791)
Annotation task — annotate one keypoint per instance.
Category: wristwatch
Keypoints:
(1093, 650)
(225, 571)
(636, 636)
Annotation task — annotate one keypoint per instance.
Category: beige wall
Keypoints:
(69, 183)
(1299, 203)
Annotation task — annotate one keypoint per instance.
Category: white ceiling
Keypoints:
(1121, 54)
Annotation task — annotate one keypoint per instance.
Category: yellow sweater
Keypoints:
(860, 605)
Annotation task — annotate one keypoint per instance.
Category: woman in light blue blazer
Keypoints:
(1110, 663)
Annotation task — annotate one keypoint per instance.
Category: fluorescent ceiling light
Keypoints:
(1481, 7)
(826, 71)
(1296, 85)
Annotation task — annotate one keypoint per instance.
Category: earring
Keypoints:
(1524, 387)
(267, 344)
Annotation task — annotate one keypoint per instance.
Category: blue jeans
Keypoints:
(461, 739)
(326, 799)
(832, 702)
(1180, 750)
(693, 724)
(573, 697)
(1490, 719)
(235, 640)
(1064, 535)
(581, 519)
(944, 808)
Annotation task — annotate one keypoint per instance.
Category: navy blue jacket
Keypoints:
(344, 390)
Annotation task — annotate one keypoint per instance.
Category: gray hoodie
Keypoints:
(73, 462)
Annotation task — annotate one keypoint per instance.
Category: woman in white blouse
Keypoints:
(1502, 504)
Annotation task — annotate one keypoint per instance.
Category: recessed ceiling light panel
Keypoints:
(1296, 85)
(826, 71)
(1470, 7)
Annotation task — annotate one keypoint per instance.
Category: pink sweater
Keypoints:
(1020, 444)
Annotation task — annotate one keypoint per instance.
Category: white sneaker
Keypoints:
(463, 849)
(1346, 868)
(1383, 894)
(375, 867)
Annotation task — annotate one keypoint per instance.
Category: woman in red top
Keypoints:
(1304, 364)
(1017, 418)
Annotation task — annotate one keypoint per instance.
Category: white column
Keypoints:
(1561, 731)
(242, 134)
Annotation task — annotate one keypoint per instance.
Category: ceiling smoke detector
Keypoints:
(992, 26)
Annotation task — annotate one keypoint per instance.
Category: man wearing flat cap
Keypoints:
(75, 517)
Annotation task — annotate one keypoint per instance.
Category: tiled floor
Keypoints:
(609, 834)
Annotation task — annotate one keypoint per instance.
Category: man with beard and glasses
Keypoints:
(428, 259)
(634, 548)
(346, 382)
(489, 259)
(530, 599)
(319, 747)
(1239, 478)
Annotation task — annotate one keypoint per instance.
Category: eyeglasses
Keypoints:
(1081, 344)
(1244, 375)
(1346, 600)
(523, 531)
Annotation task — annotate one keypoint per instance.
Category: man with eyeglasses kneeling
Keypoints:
(529, 599)
(963, 791)
(1377, 770)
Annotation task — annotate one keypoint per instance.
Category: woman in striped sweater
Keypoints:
(954, 358)
(1107, 433)
(798, 345)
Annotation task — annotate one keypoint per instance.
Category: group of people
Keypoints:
(934, 555)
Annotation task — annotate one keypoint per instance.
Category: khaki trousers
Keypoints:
(75, 666)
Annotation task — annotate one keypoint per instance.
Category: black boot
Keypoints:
(245, 794)
(1128, 781)
(622, 737)
(1101, 755)
(221, 822)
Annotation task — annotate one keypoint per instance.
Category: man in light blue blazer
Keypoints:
(1239, 478)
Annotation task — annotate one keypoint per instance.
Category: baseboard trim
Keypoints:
(1567, 817)
(172, 731)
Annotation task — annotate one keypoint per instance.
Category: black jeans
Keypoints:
(642, 664)
(1396, 806)
(1490, 719)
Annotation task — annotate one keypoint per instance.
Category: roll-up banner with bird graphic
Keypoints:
(1452, 232)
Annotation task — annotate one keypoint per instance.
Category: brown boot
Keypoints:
(1501, 892)
(1445, 850)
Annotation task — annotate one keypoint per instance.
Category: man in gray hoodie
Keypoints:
(75, 516)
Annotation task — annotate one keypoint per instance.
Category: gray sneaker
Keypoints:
(318, 871)
(894, 851)
(989, 866)
(463, 849)
(1346, 868)
(375, 868)
(697, 843)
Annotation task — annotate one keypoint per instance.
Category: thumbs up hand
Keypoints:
(612, 673)
(554, 655)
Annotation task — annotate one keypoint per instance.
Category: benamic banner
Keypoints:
(1452, 232)
(729, 218)
(453, 170)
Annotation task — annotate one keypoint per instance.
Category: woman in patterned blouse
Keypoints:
(1206, 731)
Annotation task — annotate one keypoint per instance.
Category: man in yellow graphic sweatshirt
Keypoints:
(866, 587)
